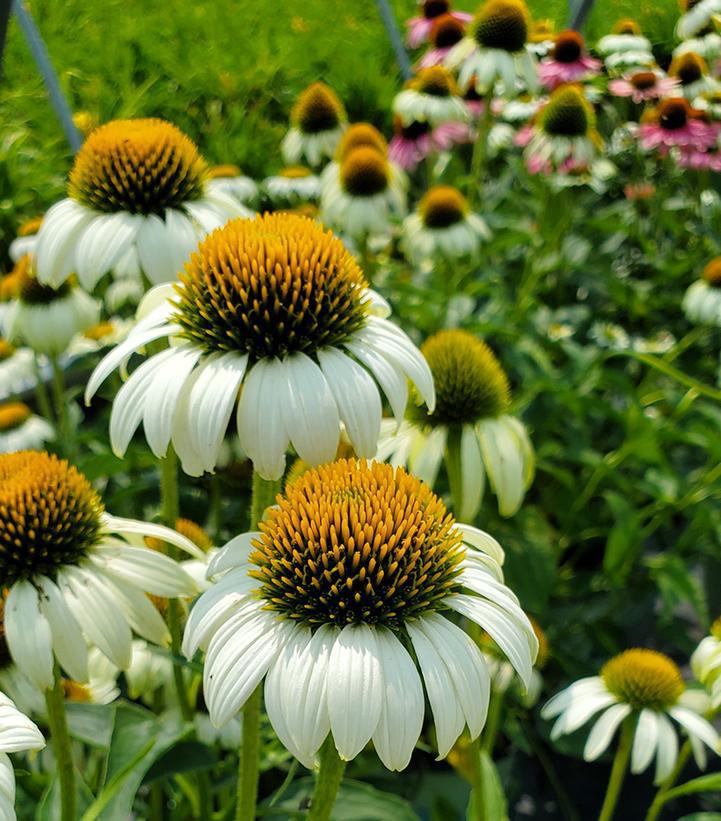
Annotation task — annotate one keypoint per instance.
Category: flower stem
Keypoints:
(327, 783)
(480, 152)
(64, 432)
(618, 771)
(264, 493)
(477, 780)
(493, 721)
(57, 721)
(660, 799)
(41, 393)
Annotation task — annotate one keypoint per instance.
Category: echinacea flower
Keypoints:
(414, 142)
(26, 239)
(470, 428)
(365, 195)
(443, 226)
(706, 664)
(626, 49)
(706, 45)
(431, 96)
(17, 735)
(276, 308)
(697, 15)
(495, 49)
(563, 134)
(419, 28)
(21, 429)
(691, 72)
(99, 336)
(46, 317)
(382, 566)
(71, 575)
(568, 61)
(293, 184)
(317, 120)
(642, 86)
(503, 676)
(642, 685)
(139, 196)
(230, 180)
(541, 37)
(702, 300)
(446, 32)
(17, 369)
(674, 123)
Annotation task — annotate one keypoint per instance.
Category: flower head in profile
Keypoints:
(642, 686)
(17, 369)
(17, 735)
(431, 96)
(24, 242)
(443, 225)
(139, 199)
(293, 185)
(674, 123)
(414, 142)
(470, 428)
(318, 120)
(568, 61)
(696, 17)
(232, 181)
(626, 49)
(356, 566)
(495, 50)
(702, 300)
(706, 664)
(541, 37)
(692, 75)
(275, 308)
(642, 86)
(563, 136)
(447, 31)
(21, 429)
(420, 28)
(72, 577)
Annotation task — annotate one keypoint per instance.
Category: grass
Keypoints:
(225, 72)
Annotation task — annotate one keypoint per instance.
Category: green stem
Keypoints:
(480, 153)
(477, 780)
(327, 783)
(41, 393)
(65, 437)
(264, 493)
(618, 771)
(493, 721)
(57, 721)
(660, 799)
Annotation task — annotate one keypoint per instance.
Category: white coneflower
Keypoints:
(381, 563)
(230, 180)
(45, 317)
(139, 196)
(697, 16)
(21, 429)
(99, 336)
(702, 301)
(17, 369)
(706, 664)
(626, 48)
(691, 72)
(292, 185)
(317, 123)
(541, 37)
(431, 97)
(639, 686)
(470, 428)
(443, 226)
(26, 239)
(277, 308)
(17, 735)
(72, 577)
(707, 46)
(365, 196)
(495, 50)
(503, 676)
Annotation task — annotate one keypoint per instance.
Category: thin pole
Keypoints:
(39, 51)
(5, 8)
(578, 12)
(389, 21)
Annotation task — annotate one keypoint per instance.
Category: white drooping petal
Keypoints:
(355, 689)
(101, 245)
(357, 398)
(233, 554)
(592, 685)
(148, 570)
(603, 730)
(118, 524)
(482, 541)
(402, 706)
(141, 614)
(645, 740)
(667, 747)
(504, 463)
(17, 732)
(7, 789)
(28, 635)
(696, 725)
(426, 455)
(68, 642)
(391, 379)
(472, 475)
(61, 228)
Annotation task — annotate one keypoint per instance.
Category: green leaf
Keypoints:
(90, 723)
(702, 816)
(624, 539)
(139, 738)
(48, 808)
(184, 757)
(706, 783)
(494, 799)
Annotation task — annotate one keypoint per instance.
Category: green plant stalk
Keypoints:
(64, 431)
(477, 780)
(495, 706)
(264, 493)
(661, 796)
(480, 153)
(618, 771)
(327, 783)
(41, 393)
(57, 721)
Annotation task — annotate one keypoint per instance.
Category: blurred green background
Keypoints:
(226, 72)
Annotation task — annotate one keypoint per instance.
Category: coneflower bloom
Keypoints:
(495, 49)
(21, 429)
(317, 121)
(292, 185)
(139, 196)
(674, 123)
(691, 72)
(431, 96)
(702, 301)
(470, 428)
(446, 32)
(382, 563)
(541, 37)
(231, 180)
(303, 349)
(626, 48)
(17, 369)
(72, 577)
(413, 143)
(640, 684)
(503, 676)
(25, 241)
(99, 336)
(706, 664)
(642, 86)
(697, 15)
(365, 196)
(568, 61)
(17, 735)
(419, 28)
(707, 45)
(44, 317)
(563, 135)
(443, 226)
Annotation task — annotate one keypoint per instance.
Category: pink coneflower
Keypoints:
(643, 85)
(412, 143)
(675, 123)
(699, 160)
(419, 28)
(446, 31)
(568, 61)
